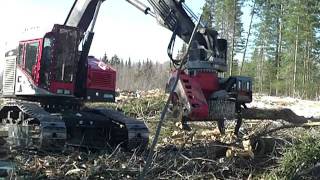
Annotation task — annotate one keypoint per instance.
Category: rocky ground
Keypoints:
(268, 149)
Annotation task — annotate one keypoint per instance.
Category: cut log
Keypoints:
(273, 114)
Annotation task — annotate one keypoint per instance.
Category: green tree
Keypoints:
(286, 38)
(208, 13)
(227, 21)
(115, 60)
(129, 62)
(105, 58)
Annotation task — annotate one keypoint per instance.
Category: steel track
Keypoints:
(30, 125)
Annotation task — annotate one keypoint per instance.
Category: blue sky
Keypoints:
(120, 29)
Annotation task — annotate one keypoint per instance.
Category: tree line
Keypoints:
(138, 74)
(276, 42)
(280, 46)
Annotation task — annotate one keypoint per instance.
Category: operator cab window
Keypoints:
(31, 56)
(46, 62)
(66, 55)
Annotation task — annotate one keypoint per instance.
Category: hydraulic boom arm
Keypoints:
(171, 14)
(82, 14)
(177, 17)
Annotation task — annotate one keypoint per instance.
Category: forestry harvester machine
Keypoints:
(46, 84)
(197, 91)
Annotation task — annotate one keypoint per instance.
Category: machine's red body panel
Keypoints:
(196, 90)
(100, 75)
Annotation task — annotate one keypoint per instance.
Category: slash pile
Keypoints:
(199, 154)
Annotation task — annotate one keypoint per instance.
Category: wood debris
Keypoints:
(202, 153)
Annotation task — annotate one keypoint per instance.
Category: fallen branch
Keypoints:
(273, 114)
(74, 171)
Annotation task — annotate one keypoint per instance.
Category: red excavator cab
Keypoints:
(47, 67)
